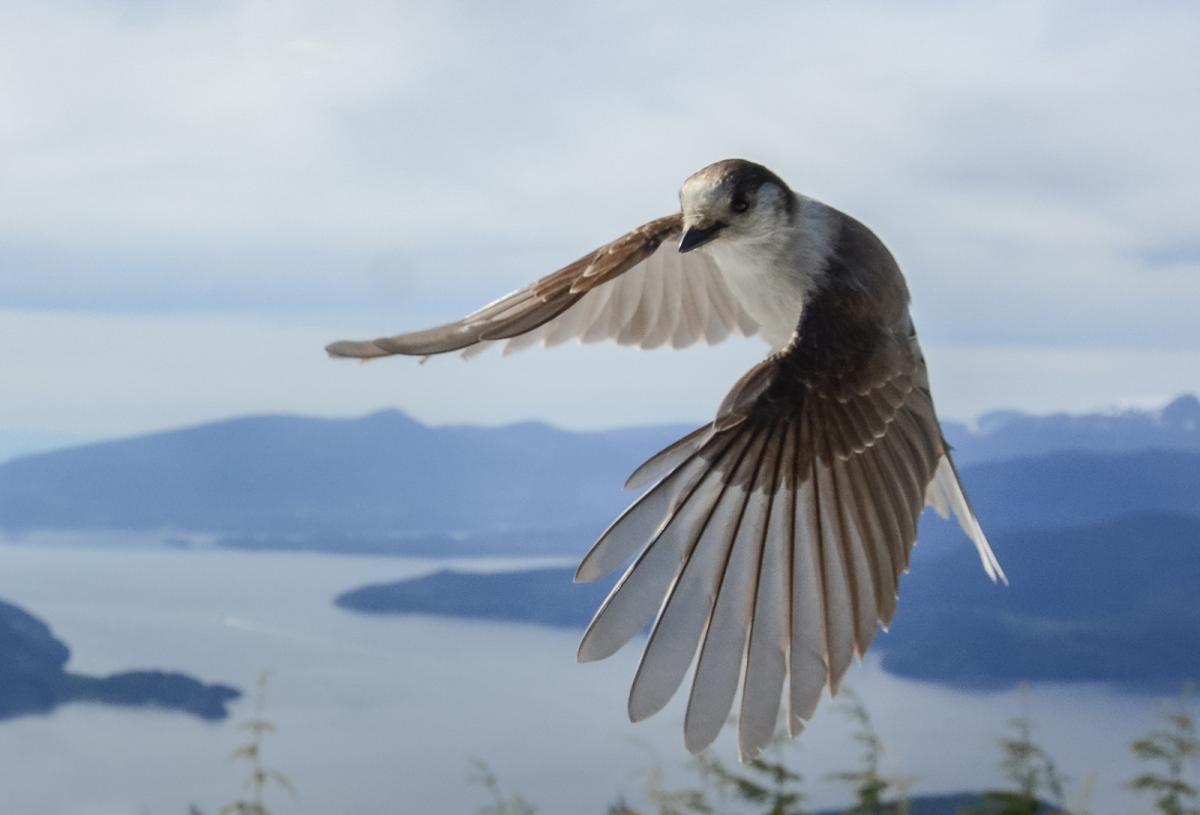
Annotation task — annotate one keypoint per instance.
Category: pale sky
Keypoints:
(196, 197)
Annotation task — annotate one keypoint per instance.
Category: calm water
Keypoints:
(382, 715)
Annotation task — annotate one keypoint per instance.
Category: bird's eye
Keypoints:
(739, 204)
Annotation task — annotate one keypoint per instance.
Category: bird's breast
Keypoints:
(768, 284)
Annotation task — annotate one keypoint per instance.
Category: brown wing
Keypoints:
(774, 543)
(636, 290)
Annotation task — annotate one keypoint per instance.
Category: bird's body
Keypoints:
(772, 540)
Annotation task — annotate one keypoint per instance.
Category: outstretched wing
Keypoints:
(774, 543)
(637, 290)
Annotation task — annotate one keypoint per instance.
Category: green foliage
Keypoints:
(1170, 750)
(770, 785)
(666, 801)
(259, 777)
(765, 784)
(869, 785)
(482, 776)
(1031, 770)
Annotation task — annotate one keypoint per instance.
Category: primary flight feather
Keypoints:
(769, 547)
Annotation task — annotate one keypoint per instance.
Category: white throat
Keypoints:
(774, 276)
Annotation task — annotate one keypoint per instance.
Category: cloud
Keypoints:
(386, 165)
(97, 375)
(105, 374)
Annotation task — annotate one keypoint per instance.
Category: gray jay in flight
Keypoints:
(769, 543)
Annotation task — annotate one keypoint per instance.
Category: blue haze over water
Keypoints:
(383, 714)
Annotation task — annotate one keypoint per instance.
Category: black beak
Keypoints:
(698, 237)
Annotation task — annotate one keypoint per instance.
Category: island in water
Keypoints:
(34, 679)
(1103, 602)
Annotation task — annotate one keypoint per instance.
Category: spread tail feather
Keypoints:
(945, 494)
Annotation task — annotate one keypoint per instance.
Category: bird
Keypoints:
(768, 545)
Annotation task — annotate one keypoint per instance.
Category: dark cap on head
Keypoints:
(744, 177)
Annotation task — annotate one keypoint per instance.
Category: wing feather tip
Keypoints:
(697, 743)
(639, 709)
(795, 726)
(748, 754)
(638, 478)
(586, 572)
(589, 652)
(996, 572)
(354, 349)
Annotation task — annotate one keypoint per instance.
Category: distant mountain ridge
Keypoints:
(384, 473)
(386, 483)
(1006, 434)
(1102, 539)
(16, 444)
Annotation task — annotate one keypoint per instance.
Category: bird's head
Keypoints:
(733, 200)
